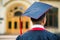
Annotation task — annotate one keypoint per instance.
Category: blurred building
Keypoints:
(11, 11)
(11, 17)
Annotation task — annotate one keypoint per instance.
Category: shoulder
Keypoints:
(52, 35)
(58, 36)
(19, 38)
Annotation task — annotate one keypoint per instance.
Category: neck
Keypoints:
(37, 26)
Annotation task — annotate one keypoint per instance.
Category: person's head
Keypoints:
(41, 20)
(37, 12)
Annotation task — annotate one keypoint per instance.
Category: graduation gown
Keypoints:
(38, 34)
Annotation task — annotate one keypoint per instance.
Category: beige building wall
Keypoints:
(10, 18)
(32, 1)
(11, 5)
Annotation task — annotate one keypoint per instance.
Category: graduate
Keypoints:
(37, 12)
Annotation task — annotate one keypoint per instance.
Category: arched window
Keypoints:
(18, 13)
(15, 25)
(10, 25)
(27, 25)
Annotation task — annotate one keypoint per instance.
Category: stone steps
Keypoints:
(8, 37)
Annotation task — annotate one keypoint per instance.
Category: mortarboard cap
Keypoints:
(36, 10)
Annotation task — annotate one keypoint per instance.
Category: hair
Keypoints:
(37, 21)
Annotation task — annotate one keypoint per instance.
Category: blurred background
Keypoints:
(11, 20)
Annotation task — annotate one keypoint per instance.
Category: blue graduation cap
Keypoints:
(36, 10)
